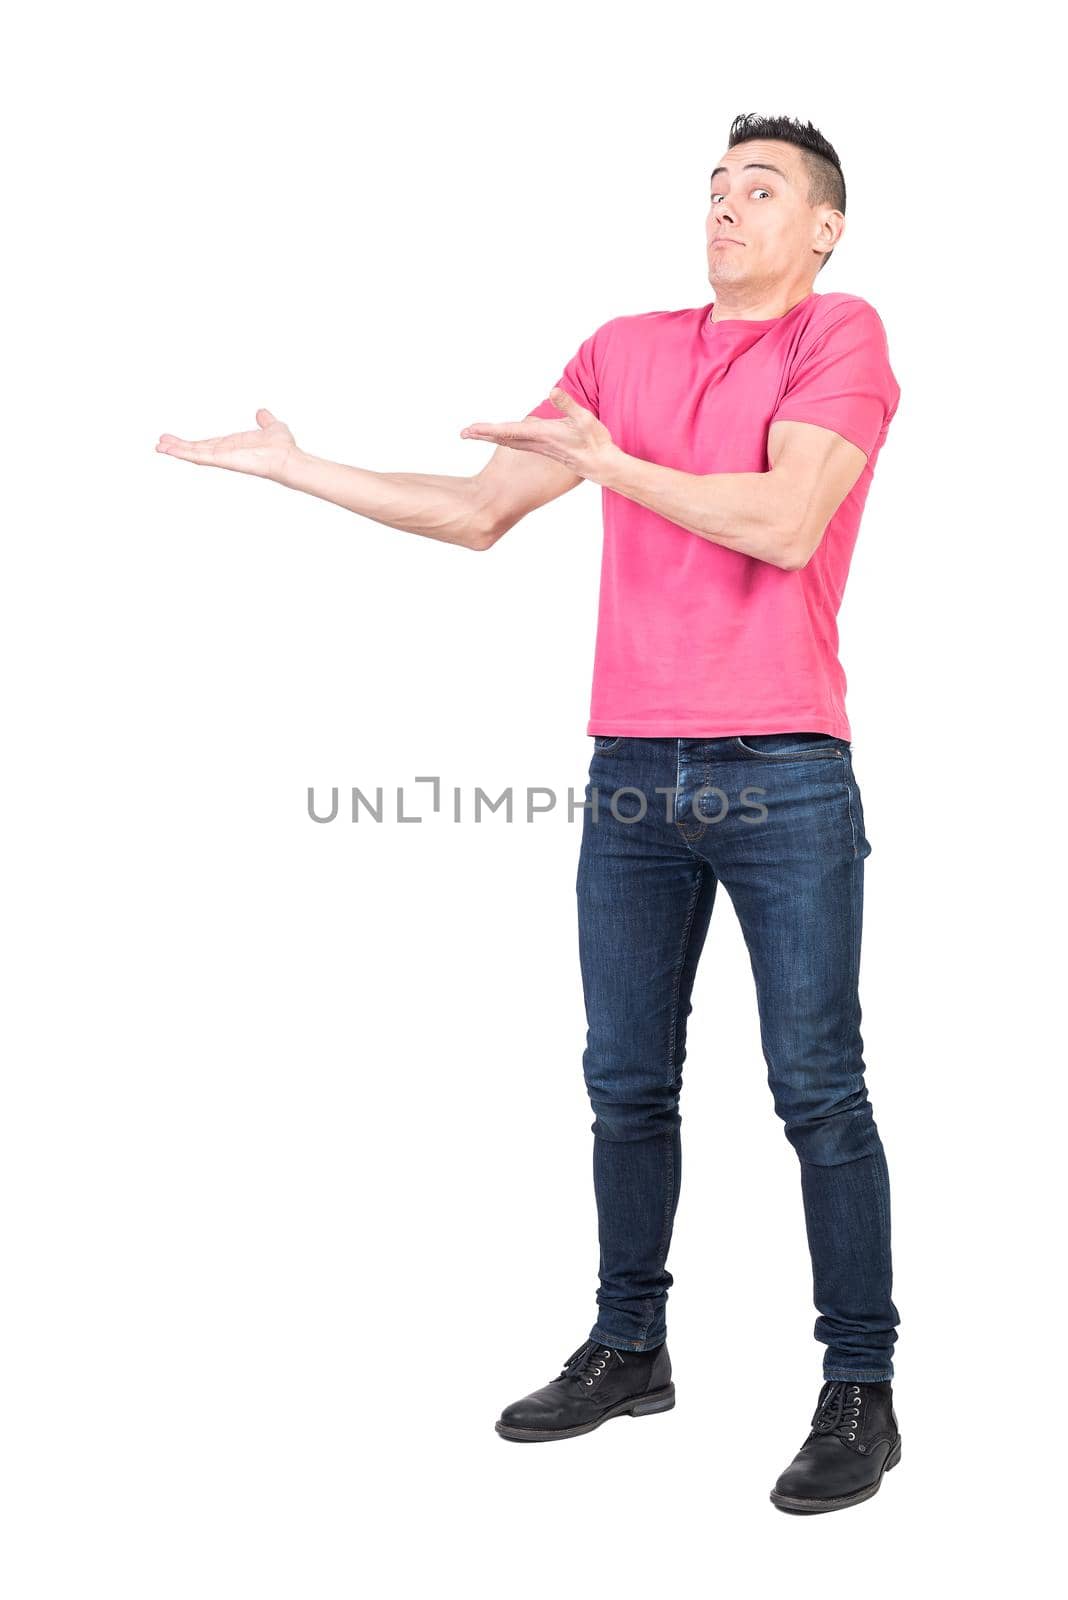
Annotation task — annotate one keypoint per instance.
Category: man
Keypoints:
(735, 444)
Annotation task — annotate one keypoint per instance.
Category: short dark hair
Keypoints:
(826, 185)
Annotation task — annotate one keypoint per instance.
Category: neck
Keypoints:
(742, 304)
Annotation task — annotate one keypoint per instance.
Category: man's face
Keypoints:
(775, 233)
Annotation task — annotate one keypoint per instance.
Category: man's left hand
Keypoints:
(578, 440)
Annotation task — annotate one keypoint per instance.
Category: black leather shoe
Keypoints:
(596, 1383)
(854, 1440)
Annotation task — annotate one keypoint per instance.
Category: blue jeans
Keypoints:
(777, 819)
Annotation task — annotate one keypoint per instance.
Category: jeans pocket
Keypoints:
(788, 746)
(607, 741)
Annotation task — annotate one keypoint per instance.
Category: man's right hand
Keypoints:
(263, 452)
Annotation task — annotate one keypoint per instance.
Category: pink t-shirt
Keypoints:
(693, 639)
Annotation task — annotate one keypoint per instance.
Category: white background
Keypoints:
(296, 1148)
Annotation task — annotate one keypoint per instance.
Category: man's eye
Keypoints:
(716, 197)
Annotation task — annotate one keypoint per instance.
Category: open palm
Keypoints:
(263, 451)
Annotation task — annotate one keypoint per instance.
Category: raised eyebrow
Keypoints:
(764, 166)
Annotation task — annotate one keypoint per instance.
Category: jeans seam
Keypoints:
(630, 1348)
(677, 978)
(669, 1142)
(849, 806)
(665, 1227)
(856, 1377)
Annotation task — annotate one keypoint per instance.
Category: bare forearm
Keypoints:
(743, 511)
(438, 507)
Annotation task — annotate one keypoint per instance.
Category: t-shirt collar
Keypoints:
(746, 328)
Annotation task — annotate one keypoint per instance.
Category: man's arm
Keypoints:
(778, 516)
(471, 512)
(514, 482)
(449, 509)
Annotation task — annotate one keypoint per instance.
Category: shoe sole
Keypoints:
(796, 1503)
(645, 1406)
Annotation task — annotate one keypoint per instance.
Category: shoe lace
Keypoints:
(585, 1363)
(838, 1410)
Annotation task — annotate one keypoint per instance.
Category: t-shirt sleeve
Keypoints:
(580, 377)
(843, 380)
